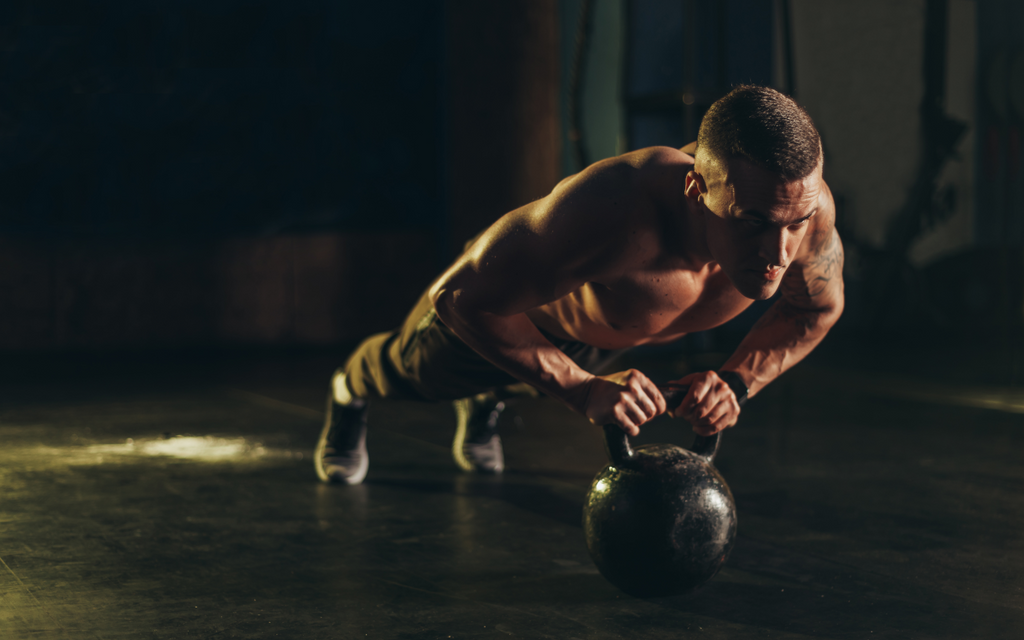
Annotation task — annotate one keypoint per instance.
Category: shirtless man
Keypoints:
(638, 249)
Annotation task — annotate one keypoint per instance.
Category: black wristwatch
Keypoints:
(737, 385)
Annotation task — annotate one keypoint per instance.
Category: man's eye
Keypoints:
(753, 223)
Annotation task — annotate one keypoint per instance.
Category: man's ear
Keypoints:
(695, 185)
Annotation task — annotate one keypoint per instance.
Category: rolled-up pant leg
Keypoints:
(425, 360)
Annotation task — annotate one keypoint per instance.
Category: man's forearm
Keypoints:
(780, 339)
(515, 345)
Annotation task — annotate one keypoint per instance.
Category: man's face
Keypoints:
(754, 221)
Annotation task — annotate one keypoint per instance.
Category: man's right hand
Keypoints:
(627, 399)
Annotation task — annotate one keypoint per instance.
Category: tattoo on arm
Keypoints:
(810, 303)
(815, 277)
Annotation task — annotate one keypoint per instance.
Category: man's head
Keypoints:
(756, 184)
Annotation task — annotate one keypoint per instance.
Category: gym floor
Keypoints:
(175, 498)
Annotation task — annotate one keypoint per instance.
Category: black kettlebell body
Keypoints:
(659, 520)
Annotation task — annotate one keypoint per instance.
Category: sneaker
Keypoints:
(341, 452)
(477, 445)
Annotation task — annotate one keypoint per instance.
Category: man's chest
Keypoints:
(653, 305)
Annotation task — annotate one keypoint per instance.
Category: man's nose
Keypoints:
(773, 247)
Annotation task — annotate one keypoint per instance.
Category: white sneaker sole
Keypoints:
(462, 411)
(318, 459)
(325, 474)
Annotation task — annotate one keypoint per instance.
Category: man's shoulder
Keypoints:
(646, 161)
(635, 174)
(652, 160)
(826, 218)
(608, 207)
(822, 226)
(628, 175)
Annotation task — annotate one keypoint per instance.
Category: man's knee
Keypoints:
(367, 372)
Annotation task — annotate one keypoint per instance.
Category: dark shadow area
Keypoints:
(536, 498)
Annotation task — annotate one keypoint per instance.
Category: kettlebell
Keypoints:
(659, 520)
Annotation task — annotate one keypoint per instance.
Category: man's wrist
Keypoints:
(737, 385)
(575, 396)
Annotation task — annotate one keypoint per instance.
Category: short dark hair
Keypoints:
(764, 127)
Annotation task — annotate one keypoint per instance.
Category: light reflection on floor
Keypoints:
(199, 448)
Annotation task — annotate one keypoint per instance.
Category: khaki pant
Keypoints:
(424, 360)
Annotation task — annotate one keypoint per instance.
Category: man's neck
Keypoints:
(695, 246)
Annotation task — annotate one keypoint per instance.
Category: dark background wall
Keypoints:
(502, 110)
(156, 120)
(269, 172)
(197, 174)
(1000, 173)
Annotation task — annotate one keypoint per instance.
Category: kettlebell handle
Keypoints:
(620, 453)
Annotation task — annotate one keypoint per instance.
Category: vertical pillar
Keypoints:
(503, 130)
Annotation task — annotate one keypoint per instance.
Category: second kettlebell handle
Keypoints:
(620, 453)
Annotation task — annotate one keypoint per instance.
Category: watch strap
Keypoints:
(737, 385)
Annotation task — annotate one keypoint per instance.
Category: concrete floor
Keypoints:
(177, 502)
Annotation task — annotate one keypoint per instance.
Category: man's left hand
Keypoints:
(710, 405)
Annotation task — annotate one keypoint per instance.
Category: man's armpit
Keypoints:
(820, 272)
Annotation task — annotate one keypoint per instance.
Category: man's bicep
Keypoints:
(815, 280)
